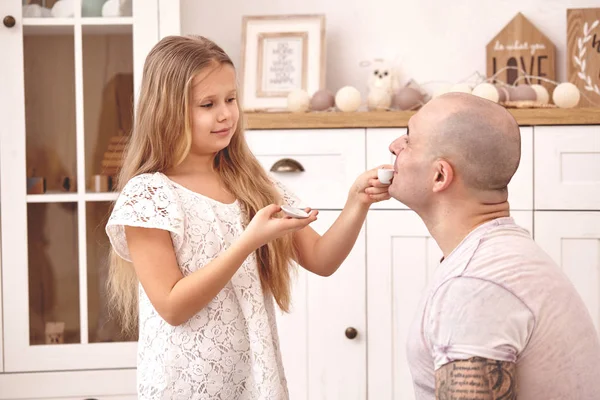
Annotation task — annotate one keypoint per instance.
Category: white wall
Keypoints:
(435, 40)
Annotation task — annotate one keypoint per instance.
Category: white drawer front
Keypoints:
(520, 189)
(572, 239)
(567, 167)
(332, 159)
(113, 384)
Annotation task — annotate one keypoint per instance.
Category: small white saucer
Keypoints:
(294, 212)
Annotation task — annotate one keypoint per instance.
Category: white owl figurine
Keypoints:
(382, 84)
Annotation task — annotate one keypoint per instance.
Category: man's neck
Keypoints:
(450, 225)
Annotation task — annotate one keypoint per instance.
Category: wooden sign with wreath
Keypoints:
(583, 53)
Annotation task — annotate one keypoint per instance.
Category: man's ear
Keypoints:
(443, 175)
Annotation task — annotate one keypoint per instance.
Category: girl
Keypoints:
(197, 228)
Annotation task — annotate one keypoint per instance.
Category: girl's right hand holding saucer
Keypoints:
(266, 226)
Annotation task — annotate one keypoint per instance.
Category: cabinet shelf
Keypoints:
(71, 197)
(93, 26)
(107, 26)
(399, 119)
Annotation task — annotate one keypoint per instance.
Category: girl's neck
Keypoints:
(194, 164)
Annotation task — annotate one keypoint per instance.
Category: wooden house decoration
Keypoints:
(583, 53)
(113, 157)
(523, 48)
(117, 122)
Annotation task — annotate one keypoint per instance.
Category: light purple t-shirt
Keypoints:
(499, 296)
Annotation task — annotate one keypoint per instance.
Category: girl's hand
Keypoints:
(367, 189)
(266, 226)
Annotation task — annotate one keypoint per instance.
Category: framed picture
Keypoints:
(279, 54)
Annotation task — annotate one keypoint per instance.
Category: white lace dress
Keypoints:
(230, 349)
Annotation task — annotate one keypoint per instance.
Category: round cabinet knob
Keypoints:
(9, 21)
(351, 333)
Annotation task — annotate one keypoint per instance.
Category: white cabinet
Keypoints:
(321, 356)
(520, 188)
(66, 109)
(567, 167)
(572, 239)
(317, 165)
(72, 86)
(320, 359)
(401, 258)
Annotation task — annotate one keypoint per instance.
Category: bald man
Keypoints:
(500, 320)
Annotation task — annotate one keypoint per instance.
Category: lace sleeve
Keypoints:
(146, 202)
(288, 197)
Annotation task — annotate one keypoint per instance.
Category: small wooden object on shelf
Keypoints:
(583, 53)
(113, 160)
(524, 49)
(55, 332)
(67, 184)
(100, 183)
(44, 3)
(36, 185)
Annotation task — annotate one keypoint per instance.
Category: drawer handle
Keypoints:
(351, 333)
(287, 165)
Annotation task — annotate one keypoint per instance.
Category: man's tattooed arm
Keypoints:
(476, 379)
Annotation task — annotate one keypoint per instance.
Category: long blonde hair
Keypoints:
(161, 139)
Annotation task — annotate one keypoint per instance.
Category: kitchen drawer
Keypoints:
(572, 239)
(567, 167)
(113, 384)
(318, 165)
(520, 189)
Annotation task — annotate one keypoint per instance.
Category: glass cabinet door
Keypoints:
(72, 70)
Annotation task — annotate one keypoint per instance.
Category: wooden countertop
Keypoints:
(396, 119)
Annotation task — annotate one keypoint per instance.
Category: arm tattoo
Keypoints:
(476, 379)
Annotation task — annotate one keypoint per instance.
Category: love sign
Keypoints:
(518, 50)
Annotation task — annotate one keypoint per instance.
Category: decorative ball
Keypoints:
(348, 99)
(110, 9)
(521, 93)
(461, 88)
(487, 91)
(322, 100)
(407, 98)
(440, 91)
(63, 9)
(298, 100)
(541, 94)
(36, 11)
(502, 93)
(566, 95)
